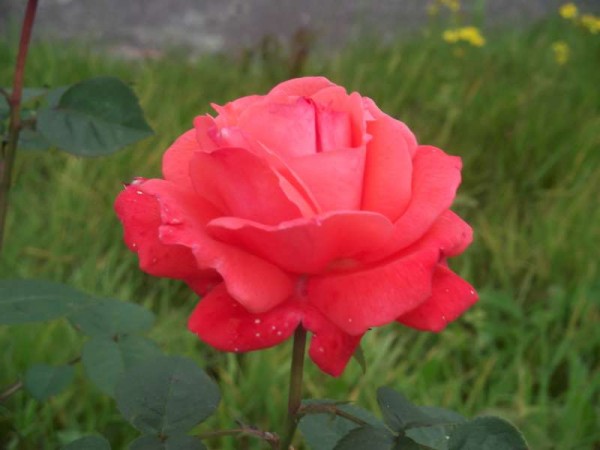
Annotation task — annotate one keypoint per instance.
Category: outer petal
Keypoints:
(242, 185)
(372, 110)
(436, 177)
(303, 87)
(254, 282)
(176, 160)
(330, 348)
(388, 169)
(222, 322)
(359, 300)
(308, 245)
(451, 296)
(334, 178)
(140, 215)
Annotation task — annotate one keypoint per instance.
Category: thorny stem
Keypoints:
(271, 438)
(9, 146)
(329, 408)
(295, 392)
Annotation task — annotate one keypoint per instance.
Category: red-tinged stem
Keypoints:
(295, 392)
(9, 146)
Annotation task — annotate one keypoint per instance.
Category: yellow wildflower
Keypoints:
(451, 36)
(591, 22)
(472, 35)
(568, 11)
(561, 52)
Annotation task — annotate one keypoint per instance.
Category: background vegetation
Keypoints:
(527, 129)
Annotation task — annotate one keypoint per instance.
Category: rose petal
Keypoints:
(222, 322)
(294, 188)
(242, 185)
(140, 216)
(335, 98)
(308, 245)
(287, 129)
(303, 87)
(254, 282)
(388, 169)
(359, 300)
(334, 178)
(450, 297)
(330, 348)
(436, 177)
(176, 160)
(449, 233)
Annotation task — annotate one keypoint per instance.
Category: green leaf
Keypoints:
(32, 140)
(322, 431)
(487, 433)
(405, 443)
(400, 414)
(367, 438)
(43, 381)
(109, 318)
(177, 442)
(88, 443)
(436, 436)
(166, 395)
(105, 359)
(94, 117)
(23, 301)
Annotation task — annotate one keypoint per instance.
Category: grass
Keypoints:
(527, 130)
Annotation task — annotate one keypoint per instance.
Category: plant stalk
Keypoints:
(9, 146)
(295, 392)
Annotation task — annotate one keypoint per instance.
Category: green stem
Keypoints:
(295, 392)
(9, 147)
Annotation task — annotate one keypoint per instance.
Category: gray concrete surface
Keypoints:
(147, 27)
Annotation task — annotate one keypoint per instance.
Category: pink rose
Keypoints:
(306, 206)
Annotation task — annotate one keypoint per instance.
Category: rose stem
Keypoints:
(9, 147)
(295, 393)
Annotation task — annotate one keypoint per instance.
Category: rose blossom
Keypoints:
(306, 206)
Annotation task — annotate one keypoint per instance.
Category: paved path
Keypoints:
(138, 27)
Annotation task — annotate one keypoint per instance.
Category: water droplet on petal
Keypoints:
(257, 335)
(139, 192)
(279, 333)
(256, 321)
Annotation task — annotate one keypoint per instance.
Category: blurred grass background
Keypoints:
(528, 130)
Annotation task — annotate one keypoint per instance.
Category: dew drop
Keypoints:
(139, 192)
(256, 321)
(279, 333)
(321, 350)
(472, 292)
(236, 349)
(349, 320)
(257, 335)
